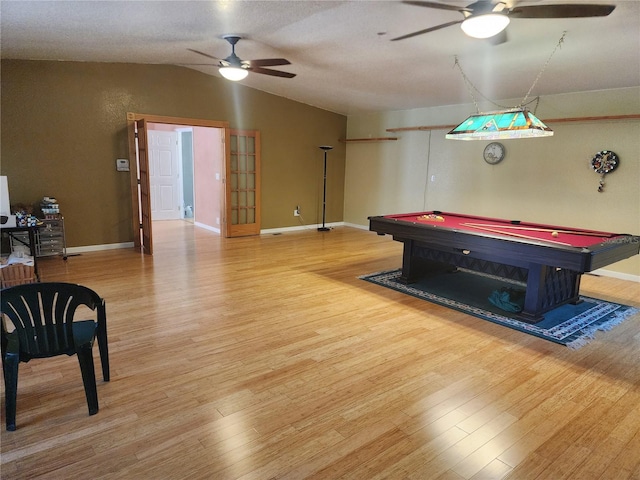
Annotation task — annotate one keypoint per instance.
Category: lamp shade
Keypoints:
(505, 124)
(485, 26)
(233, 73)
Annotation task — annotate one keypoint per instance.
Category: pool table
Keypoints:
(549, 260)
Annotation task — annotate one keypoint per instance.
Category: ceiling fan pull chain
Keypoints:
(544, 67)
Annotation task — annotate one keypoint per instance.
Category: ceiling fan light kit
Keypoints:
(485, 26)
(498, 11)
(233, 73)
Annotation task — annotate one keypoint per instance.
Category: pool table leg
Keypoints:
(548, 288)
(411, 271)
(531, 311)
(416, 263)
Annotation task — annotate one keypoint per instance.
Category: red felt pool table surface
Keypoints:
(514, 229)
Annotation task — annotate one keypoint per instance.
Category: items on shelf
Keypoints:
(26, 220)
(49, 238)
(49, 206)
(24, 215)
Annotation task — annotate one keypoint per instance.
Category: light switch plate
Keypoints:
(122, 165)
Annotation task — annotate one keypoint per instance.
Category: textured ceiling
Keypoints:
(340, 50)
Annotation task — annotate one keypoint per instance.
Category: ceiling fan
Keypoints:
(479, 14)
(234, 68)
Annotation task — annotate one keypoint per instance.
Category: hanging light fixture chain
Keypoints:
(544, 67)
(470, 86)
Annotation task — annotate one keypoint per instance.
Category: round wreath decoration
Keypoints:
(605, 161)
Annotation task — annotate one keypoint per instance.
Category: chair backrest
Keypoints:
(42, 314)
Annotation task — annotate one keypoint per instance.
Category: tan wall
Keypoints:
(63, 126)
(546, 180)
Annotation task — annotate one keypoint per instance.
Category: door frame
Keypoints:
(137, 208)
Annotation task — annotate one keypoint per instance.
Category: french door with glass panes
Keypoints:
(242, 199)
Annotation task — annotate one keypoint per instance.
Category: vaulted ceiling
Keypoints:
(340, 51)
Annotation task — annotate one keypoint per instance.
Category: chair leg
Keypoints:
(85, 358)
(104, 353)
(10, 368)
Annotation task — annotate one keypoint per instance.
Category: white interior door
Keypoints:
(164, 176)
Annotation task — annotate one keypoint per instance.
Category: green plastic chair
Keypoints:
(42, 315)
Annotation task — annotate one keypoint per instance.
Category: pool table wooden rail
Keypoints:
(511, 250)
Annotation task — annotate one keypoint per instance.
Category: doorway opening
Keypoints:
(233, 208)
(137, 126)
(186, 166)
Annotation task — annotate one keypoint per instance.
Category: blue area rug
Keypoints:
(469, 292)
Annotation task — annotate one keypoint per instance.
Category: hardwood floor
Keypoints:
(266, 357)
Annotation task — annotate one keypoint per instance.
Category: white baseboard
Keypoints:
(95, 248)
(207, 227)
(272, 231)
(613, 274)
(355, 225)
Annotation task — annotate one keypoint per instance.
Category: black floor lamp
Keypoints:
(326, 148)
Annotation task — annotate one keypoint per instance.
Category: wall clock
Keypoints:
(494, 153)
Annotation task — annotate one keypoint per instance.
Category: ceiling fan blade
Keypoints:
(269, 62)
(273, 73)
(441, 6)
(199, 65)
(427, 30)
(561, 11)
(202, 53)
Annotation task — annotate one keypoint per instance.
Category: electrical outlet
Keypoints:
(296, 212)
